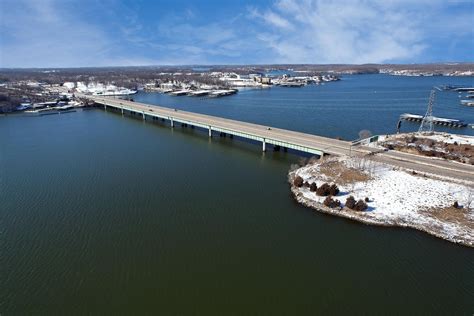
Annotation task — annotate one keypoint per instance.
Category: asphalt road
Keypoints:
(420, 164)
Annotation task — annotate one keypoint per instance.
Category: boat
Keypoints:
(467, 102)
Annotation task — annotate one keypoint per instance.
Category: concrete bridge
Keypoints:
(281, 138)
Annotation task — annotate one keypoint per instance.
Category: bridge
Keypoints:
(312, 144)
(282, 138)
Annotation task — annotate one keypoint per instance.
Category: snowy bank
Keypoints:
(396, 197)
(447, 146)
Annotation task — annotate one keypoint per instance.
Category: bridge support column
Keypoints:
(172, 123)
(143, 113)
(122, 110)
(263, 145)
(210, 132)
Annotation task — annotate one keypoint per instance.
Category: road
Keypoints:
(421, 164)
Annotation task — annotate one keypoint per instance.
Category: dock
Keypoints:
(292, 84)
(436, 120)
(222, 93)
(180, 92)
(464, 89)
(198, 93)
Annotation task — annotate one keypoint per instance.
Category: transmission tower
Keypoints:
(427, 122)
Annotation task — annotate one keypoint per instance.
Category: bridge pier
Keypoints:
(297, 141)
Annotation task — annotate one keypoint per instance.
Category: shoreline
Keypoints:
(461, 235)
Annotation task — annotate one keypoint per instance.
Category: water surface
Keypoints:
(108, 215)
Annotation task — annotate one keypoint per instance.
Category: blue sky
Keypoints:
(51, 33)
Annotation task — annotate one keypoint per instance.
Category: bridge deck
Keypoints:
(290, 139)
(295, 140)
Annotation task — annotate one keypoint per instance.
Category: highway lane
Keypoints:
(421, 164)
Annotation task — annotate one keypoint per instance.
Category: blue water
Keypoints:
(103, 214)
(335, 109)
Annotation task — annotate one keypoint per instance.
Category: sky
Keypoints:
(67, 33)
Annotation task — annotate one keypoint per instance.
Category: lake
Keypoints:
(101, 214)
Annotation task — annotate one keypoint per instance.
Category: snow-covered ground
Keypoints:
(446, 138)
(451, 138)
(396, 197)
(459, 148)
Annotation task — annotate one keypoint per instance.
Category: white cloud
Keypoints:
(66, 33)
(41, 33)
(271, 18)
(342, 32)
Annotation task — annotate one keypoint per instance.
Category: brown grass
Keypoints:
(341, 174)
(451, 214)
(462, 153)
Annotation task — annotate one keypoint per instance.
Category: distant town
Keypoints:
(34, 90)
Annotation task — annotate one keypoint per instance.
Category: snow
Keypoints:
(451, 138)
(396, 197)
(447, 138)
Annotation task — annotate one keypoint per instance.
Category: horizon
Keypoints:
(451, 63)
(112, 33)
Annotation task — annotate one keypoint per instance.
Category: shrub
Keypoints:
(360, 206)
(367, 199)
(313, 187)
(456, 204)
(333, 190)
(298, 181)
(330, 202)
(323, 190)
(350, 202)
(306, 184)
